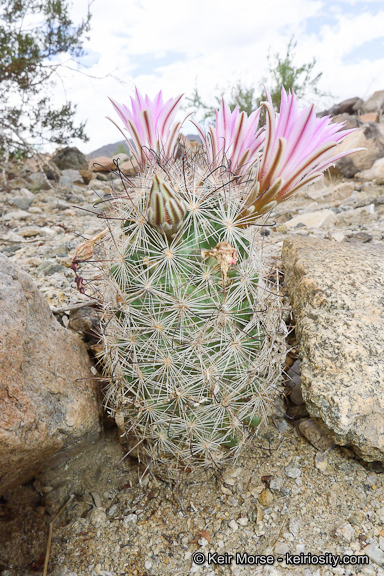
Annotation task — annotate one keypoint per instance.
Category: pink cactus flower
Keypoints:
(149, 124)
(234, 137)
(298, 147)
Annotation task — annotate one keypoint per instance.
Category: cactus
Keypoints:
(193, 338)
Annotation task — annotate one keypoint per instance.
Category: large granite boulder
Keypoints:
(337, 294)
(48, 395)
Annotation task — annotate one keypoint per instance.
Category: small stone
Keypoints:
(292, 471)
(17, 215)
(321, 462)
(375, 554)
(320, 219)
(148, 564)
(281, 425)
(336, 235)
(242, 521)
(112, 510)
(276, 484)
(266, 497)
(233, 525)
(381, 540)
(202, 542)
(294, 527)
(380, 513)
(22, 202)
(97, 516)
(281, 548)
(346, 531)
(316, 433)
(130, 518)
(29, 231)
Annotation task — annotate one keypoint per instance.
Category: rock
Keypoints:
(70, 158)
(346, 532)
(69, 177)
(336, 235)
(17, 215)
(22, 202)
(29, 231)
(375, 103)
(359, 237)
(320, 219)
(121, 157)
(294, 384)
(276, 485)
(87, 176)
(130, 168)
(332, 194)
(357, 216)
(370, 117)
(376, 171)
(336, 291)
(292, 471)
(345, 107)
(321, 462)
(39, 180)
(316, 433)
(49, 401)
(348, 121)
(369, 136)
(101, 164)
(375, 554)
(97, 517)
(266, 497)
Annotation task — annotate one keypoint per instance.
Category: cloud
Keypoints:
(173, 45)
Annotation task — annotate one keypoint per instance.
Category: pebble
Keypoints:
(375, 554)
(346, 531)
(97, 517)
(233, 525)
(292, 471)
(130, 518)
(276, 484)
(266, 497)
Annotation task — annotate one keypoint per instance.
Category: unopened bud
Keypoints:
(166, 210)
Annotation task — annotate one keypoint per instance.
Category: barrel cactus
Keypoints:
(192, 343)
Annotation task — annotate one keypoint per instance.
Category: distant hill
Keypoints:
(109, 149)
(121, 145)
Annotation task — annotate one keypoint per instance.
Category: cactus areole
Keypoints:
(192, 340)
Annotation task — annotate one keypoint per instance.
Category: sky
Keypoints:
(175, 46)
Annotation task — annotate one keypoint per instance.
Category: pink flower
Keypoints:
(298, 147)
(149, 124)
(234, 137)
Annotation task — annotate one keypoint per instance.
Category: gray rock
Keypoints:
(336, 291)
(292, 471)
(70, 158)
(22, 202)
(69, 177)
(345, 107)
(48, 268)
(39, 180)
(49, 401)
(375, 554)
(369, 136)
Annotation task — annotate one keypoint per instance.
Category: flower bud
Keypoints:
(166, 210)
